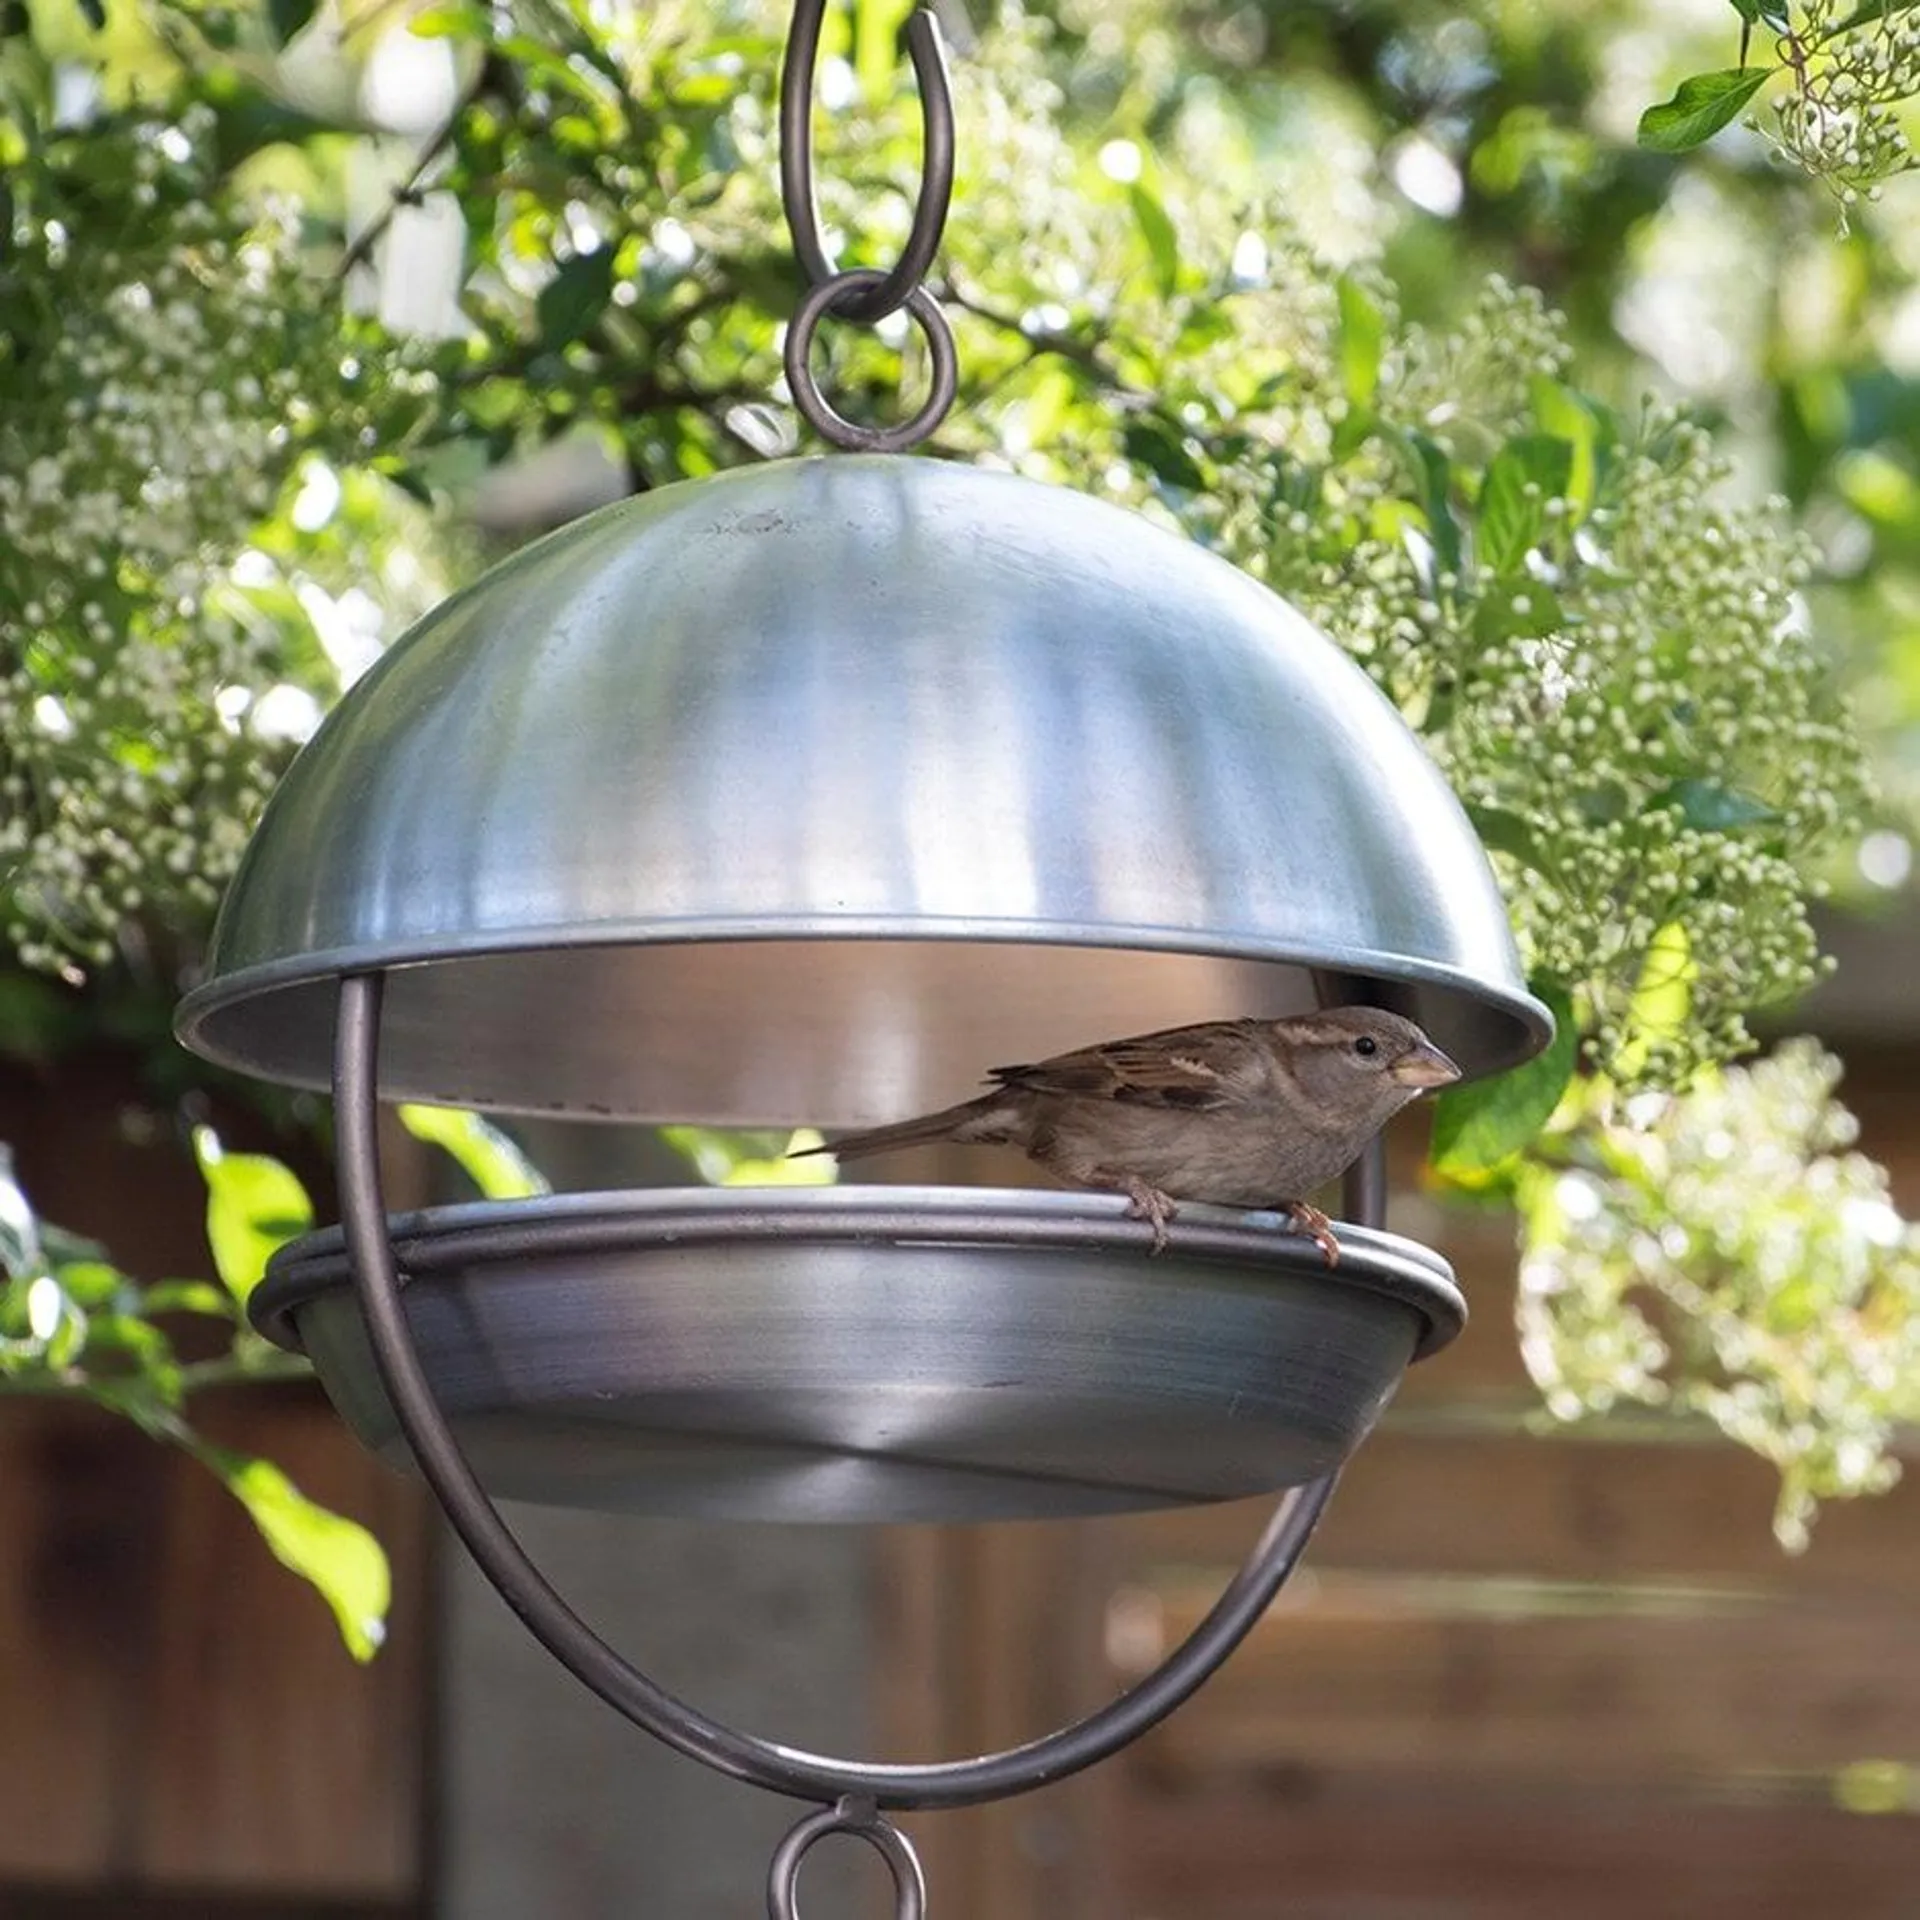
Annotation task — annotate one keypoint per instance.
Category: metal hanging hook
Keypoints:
(819, 412)
(856, 1814)
(928, 53)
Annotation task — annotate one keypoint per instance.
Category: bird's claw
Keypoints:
(1149, 1203)
(1318, 1228)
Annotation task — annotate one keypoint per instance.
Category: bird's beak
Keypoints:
(1426, 1066)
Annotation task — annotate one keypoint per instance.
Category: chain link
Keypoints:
(855, 1814)
(866, 294)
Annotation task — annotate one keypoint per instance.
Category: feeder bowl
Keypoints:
(875, 1354)
(805, 794)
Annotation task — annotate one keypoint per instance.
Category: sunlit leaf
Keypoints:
(1363, 332)
(339, 1556)
(729, 1157)
(1162, 237)
(457, 21)
(254, 1207)
(1880, 487)
(876, 46)
(1512, 516)
(1476, 1127)
(1662, 997)
(485, 1155)
(1704, 104)
(188, 1296)
(1566, 415)
(93, 1284)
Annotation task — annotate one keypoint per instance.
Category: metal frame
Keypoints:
(854, 1790)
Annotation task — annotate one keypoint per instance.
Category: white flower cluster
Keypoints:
(1636, 716)
(1783, 1285)
(168, 361)
(1853, 70)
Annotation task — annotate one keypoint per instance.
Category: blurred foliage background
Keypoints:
(1563, 360)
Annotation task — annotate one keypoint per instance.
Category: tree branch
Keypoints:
(407, 194)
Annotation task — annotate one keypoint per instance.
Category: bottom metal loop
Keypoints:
(857, 1815)
(813, 404)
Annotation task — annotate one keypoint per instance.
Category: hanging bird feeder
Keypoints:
(798, 796)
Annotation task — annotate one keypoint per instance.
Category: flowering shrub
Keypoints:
(1607, 653)
(1846, 72)
(167, 360)
(1727, 1255)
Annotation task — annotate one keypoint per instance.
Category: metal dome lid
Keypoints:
(807, 792)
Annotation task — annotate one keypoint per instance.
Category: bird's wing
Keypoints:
(1191, 1069)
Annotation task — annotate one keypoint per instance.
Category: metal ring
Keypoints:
(858, 1815)
(813, 404)
(546, 1615)
(892, 290)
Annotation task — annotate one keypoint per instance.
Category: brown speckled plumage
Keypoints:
(1232, 1113)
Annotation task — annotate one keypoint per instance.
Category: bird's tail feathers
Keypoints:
(978, 1122)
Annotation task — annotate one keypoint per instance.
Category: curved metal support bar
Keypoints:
(574, 1644)
(1363, 1187)
(925, 48)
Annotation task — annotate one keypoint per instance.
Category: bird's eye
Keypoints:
(1366, 1046)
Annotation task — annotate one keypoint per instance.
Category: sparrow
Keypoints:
(1231, 1113)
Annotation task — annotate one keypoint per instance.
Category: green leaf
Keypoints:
(141, 1342)
(1477, 1127)
(188, 1296)
(1163, 240)
(1154, 445)
(1712, 808)
(1662, 997)
(485, 1155)
(1435, 472)
(1772, 13)
(1861, 16)
(409, 480)
(728, 1157)
(288, 17)
(1508, 833)
(574, 299)
(38, 1021)
(69, 1338)
(452, 22)
(254, 1207)
(339, 1556)
(1704, 104)
(1566, 415)
(876, 47)
(1512, 515)
(92, 1284)
(1363, 333)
